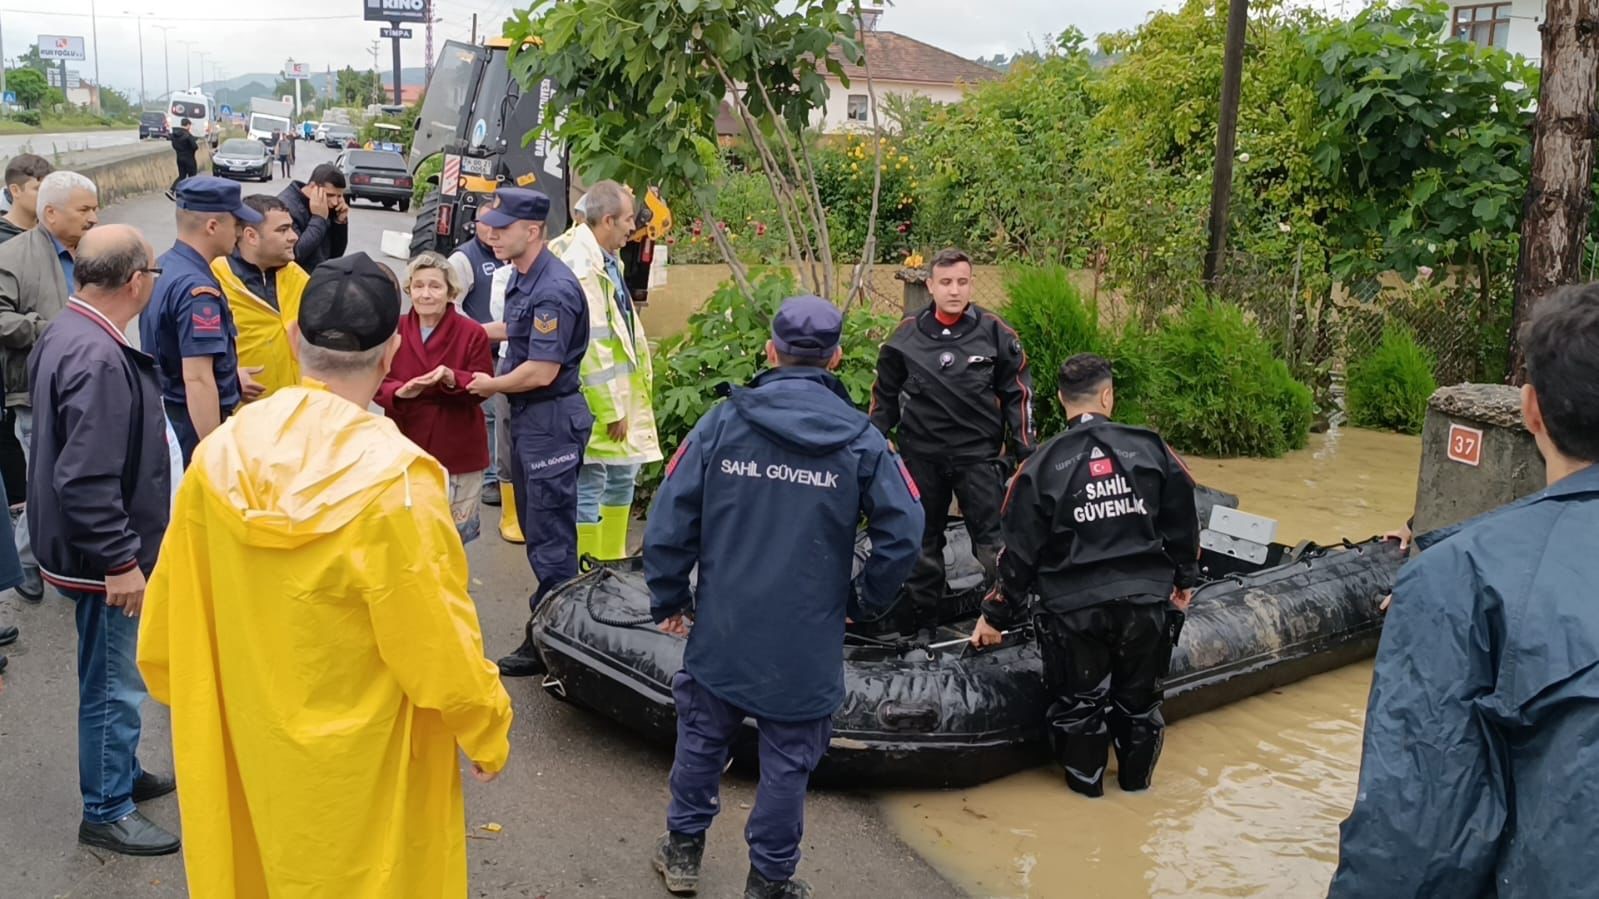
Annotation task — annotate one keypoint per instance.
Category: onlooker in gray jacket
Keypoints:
(99, 499)
(35, 274)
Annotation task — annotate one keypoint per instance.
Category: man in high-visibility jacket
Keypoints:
(263, 284)
(616, 372)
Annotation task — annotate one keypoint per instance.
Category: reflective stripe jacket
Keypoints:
(617, 375)
(263, 331)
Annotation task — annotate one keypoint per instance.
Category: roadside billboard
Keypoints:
(62, 46)
(396, 10)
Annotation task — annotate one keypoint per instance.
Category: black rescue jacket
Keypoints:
(184, 145)
(1101, 512)
(321, 238)
(954, 393)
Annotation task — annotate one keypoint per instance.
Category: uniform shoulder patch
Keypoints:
(677, 457)
(545, 323)
(205, 291)
(910, 482)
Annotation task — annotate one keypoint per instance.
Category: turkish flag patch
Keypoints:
(207, 319)
(910, 482)
(676, 458)
(1099, 466)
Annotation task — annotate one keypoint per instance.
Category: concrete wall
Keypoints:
(1508, 466)
(130, 170)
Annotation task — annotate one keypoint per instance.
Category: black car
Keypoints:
(376, 175)
(153, 125)
(241, 158)
(340, 136)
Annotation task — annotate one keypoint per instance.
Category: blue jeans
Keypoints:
(789, 752)
(110, 691)
(603, 484)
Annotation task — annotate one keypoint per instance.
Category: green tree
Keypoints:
(285, 88)
(115, 103)
(29, 86)
(352, 88)
(32, 60)
(640, 83)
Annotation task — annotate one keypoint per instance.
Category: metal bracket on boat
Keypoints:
(1239, 534)
(553, 686)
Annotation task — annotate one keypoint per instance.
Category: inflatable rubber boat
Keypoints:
(933, 712)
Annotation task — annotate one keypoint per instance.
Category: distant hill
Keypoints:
(244, 84)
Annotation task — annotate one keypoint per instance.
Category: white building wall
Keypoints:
(1525, 17)
(834, 118)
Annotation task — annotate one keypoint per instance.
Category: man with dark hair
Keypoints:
(1476, 777)
(311, 629)
(189, 326)
(184, 147)
(262, 284)
(99, 498)
(23, 174)
(952, 387)
(790, 455)
(1100, 525)
(320, 214)
(546, 333)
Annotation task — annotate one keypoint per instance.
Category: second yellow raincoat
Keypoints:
(309, 624)
(263, 330)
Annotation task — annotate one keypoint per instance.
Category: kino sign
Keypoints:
(396, 10)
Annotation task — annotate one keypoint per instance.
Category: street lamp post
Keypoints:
(138, 23)
(166, 60)
(94, 32)
(188, 63)
(203, 55)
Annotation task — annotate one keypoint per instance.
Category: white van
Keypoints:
(196, 107)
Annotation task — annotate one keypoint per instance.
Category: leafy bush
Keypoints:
(27, 117)
(430, 167)
(1054, 324)
(746, 213)
(1213, 387)
(1389, 388)
(725, 344)
(844, 178)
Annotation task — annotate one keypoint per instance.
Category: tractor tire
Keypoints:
(424, 235)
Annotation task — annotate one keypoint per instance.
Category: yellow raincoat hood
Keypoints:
(309, 625)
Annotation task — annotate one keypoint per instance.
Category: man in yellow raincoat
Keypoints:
(263, 284)
(310, 627)
(616, 372)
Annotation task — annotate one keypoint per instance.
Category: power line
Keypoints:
(203, 19)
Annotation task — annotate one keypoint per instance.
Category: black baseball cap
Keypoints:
(351, 304)
(807, 327)
(516, 204)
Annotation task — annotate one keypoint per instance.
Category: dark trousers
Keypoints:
(980, 487)
(789, 752)
(187, 168)
(188, 437)
(286, 165)
(547, 443)
(1103, 666)
(110, 692)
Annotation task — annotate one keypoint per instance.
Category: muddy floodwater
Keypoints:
(1247, 798)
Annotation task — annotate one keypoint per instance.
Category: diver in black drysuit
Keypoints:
(1100, 524)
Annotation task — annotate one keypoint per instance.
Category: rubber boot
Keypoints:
(510, 531)
(758, 887)
(524, 661)
(677, 859)
(1136, 755)
(613, 532)
(1083, 757)
(588, 540)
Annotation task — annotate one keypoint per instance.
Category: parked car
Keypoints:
(377, 176)
(153, 125)
(340, 137)
(241, 158)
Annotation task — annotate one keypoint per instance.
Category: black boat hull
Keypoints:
(952, 717)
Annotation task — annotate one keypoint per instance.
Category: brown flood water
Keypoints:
(1247, 798)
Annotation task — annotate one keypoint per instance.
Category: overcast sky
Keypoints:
(258, 37)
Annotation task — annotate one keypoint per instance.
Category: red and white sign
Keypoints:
(1465, 445)
(450, 178)
(1099, 466)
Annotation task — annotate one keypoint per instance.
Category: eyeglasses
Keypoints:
(152, 271)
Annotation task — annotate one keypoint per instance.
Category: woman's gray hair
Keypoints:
(56, 190)
(430, 259)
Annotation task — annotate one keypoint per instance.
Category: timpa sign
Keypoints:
(394, 32)
(61, 46)
(396, 10)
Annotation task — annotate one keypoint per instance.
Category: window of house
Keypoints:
(1485, 24)
(858, 111)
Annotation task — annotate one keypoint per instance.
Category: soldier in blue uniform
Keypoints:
(765, 496)
(546, 333)
(188, 327)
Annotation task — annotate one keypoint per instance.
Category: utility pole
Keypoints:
(203, 55)
(377, 80)
(2, 62)
(138, 23)
(1221, 185)
(166, 58)
(94, 33)
(474, 28)
(427, 51)
(188, 63)
(1554, 224)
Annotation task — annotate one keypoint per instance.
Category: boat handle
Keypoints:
(907, 717)
(554, 686)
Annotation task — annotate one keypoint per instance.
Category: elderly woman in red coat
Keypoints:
(425, 390)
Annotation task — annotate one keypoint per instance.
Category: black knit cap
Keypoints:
(351, 304)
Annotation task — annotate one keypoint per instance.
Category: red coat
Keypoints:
(447, 422)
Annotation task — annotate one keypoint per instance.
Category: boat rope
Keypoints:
(599, 574)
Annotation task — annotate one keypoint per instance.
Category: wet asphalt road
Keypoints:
(579, 805)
